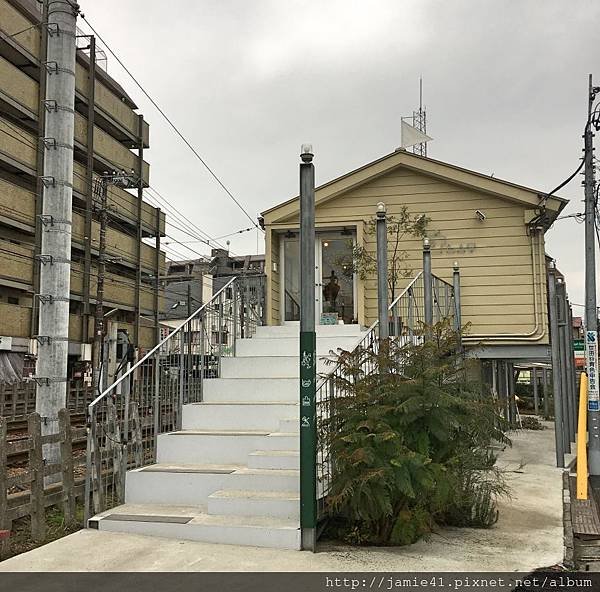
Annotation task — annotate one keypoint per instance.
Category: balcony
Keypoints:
(17, 205)
(12, 21)
(18, 148)
(122, 203)
(114, 154)
(15, 320)
(109, 101)
(18, 90)
(109, 105)
(16, 263)
(118, 244)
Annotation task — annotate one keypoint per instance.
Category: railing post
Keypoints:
(556, 363)
(427, 283)
(534, 384)
(156, 401)
(202, 324)
(181, 376)
(87, 494)
(236, 296)
(382, 272)
(545, 392)
(456, 286)
(220, 332)
(308, 432)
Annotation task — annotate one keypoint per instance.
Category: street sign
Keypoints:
(591, 351)
(579, 346)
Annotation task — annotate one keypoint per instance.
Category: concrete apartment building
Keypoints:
(109, 135)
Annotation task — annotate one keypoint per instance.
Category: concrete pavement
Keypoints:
(528, 535)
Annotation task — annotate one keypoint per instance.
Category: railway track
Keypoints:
(17, 432)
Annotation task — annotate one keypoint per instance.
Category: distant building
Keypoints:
(205, 277)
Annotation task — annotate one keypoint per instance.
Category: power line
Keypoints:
(173, 126)
(157, 199)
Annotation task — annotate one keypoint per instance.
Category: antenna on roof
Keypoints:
(415, 135)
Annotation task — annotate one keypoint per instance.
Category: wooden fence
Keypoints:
(22, 489)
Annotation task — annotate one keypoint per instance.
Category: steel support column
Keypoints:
(139, 234)
(89, 193)
(427, 283)
(556, 372)
(382, 273)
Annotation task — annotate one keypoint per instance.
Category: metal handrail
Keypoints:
(127, 418)
(371, 328)
(160, 344)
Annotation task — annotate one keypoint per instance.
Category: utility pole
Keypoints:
(56, 218)
(124, 180)
(101, 189)
(591, 315)
(308, 347)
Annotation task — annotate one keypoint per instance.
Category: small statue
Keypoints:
(332, 289)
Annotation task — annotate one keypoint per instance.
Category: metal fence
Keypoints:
(125, 420)
(407, 323)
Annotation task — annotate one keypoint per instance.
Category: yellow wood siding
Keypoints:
(498, 259)
(492, 254)
(273, 288)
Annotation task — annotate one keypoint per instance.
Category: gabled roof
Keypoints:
(526, 196)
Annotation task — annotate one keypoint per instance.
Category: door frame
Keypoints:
(321, 234)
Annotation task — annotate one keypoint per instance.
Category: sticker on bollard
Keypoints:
(591, 355)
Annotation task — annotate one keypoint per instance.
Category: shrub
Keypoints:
(410, 443)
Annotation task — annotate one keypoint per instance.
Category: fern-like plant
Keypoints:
(409, 440)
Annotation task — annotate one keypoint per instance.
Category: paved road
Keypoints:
(528, 535)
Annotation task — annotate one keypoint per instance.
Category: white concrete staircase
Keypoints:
(231, 475)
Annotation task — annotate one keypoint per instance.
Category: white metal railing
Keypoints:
(124, 421)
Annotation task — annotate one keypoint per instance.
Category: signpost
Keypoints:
(308, 354)
(591, 354)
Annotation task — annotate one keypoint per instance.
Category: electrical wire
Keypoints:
(180, 217)
(171, 124)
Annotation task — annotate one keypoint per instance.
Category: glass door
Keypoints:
(335, 293)
(335, 298)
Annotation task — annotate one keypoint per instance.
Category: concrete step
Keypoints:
(192, 484)
(220, 446)
(271, 504)
(255, 415)
(251, 389)
(293, 329)
(274, 459)
(176, 484)
(265, 367)
(264, 479)
(193, 523)
(290, 346)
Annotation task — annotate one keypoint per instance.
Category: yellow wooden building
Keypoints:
(494, 229)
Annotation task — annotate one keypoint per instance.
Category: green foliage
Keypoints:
(410, 443)
(530, 422)
(399, 228)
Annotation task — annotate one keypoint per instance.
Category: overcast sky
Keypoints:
(505, 87)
